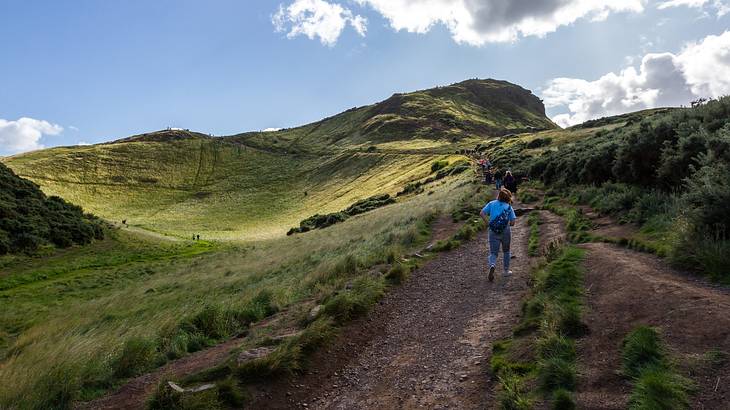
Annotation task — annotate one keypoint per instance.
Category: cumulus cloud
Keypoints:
(478, 22)
(700, 69)
(719, 6)
(24, 134)
(317, 19)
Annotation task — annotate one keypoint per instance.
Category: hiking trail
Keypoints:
(426, 344)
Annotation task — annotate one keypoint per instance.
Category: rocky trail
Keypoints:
(426, 345)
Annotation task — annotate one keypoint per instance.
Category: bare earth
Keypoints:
(427, 344)
(626, 289)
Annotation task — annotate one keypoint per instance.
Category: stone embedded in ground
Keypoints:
(253, 354)
(315, 312)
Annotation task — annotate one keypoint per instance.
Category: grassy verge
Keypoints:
(539, 361)
(533, 244)
(656, 385)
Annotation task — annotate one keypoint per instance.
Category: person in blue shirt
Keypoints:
(501, 217)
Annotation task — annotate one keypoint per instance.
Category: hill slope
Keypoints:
(257, 185)
(442, 116)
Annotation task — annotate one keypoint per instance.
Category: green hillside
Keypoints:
(428, 119)
(258, 185)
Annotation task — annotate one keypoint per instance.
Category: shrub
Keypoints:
(657, 388)
(563, 400)
(397, 274)
(437, 165)
(556, 373)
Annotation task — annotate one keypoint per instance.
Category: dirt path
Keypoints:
(426, 345)
(626, 289)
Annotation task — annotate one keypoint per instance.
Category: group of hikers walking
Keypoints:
(496, 175)
(499, 215)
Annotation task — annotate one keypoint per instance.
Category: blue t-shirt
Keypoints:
(495, 208)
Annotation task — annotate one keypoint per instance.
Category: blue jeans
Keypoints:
(498, 184)
(495, 241)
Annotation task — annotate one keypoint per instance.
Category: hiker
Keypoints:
(193, 236)
(501, 217)
(124, 221)
(510, 182)
(488, 177)
(487, 164)
(198, 237)
(498, 179)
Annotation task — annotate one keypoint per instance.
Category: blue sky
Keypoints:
(90, 71)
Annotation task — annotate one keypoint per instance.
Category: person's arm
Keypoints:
(484, 214)
(512, 216)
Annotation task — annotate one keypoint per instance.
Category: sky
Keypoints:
(89, 71)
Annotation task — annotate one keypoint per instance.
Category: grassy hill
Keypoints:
(257, 185)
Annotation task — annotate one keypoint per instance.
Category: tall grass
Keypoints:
(69, 335)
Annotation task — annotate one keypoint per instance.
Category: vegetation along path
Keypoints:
(425, 345)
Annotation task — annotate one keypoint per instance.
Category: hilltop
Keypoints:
(436, 117)
(257, 185)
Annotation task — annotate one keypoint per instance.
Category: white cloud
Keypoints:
(83, 143)
(317, 19)
(270, 129)
(700, 69)
(721, 7)
(72, 128)
(478, 22)
(24, 134)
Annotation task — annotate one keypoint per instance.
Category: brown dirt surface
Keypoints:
(626, 289)
(443, 228)
(552, 227)
(427, 344)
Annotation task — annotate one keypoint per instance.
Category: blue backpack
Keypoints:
(500, 223)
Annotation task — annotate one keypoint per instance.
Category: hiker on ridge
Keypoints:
(501, 218)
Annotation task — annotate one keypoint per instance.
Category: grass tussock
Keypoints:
(656, 383)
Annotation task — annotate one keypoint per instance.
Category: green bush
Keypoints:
(29, 219)
(437, 165)
(563, 400)
(657, 388)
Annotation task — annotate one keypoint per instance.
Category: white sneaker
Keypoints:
(508, 273)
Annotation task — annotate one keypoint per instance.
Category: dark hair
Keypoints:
(505, 195)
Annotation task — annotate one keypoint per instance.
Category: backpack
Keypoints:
(500, 223)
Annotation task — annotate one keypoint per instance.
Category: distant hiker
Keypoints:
(124, 221)
(487, 164)
(510, 182)
(488, 177)
(501, 217)
(193, 236)
(198, 237)
(498, 179)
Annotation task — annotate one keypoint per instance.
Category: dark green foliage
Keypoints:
(563, 400)
(672, 167)
(29, 219)
(322, 221)
(556, 373)
(539, 142)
